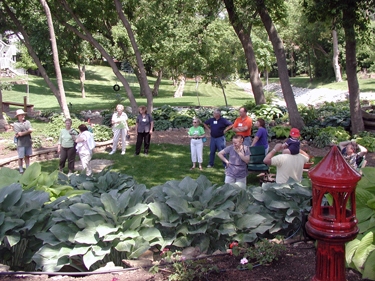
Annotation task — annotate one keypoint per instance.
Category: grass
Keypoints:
(165, 162)
(100, 94)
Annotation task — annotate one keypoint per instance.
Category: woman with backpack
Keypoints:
(85, 145)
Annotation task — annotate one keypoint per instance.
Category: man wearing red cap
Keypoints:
(291, 146)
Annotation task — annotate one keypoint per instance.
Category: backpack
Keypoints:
(91, 142)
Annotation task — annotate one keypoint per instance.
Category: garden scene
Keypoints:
(130, 213)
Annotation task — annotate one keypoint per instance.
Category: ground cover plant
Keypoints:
(119, 218)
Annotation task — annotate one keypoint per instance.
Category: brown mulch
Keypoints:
(296, 263)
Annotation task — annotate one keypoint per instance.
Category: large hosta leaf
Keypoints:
(369, 267)
(8, 176)
(86, 236)
(364, 248)
(161, 210)
(9, 195)
(249, 221)
(179, 204)
(90, 258)
(30, 174)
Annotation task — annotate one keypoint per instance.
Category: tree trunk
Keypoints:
(26, 41)
(137, 73)
(82, 78)
(197, 78)
(245, 38)
(144, 82)
(3, 122)
(155, 91)
(294, 116)
(89, 38)
(351, 72)
(225, 96)
(56, 60)
(335, 60)
(180, 90)
(309, 62)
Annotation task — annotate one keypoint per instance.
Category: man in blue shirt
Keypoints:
(218, 127)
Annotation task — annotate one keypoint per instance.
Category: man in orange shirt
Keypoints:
(242, 126)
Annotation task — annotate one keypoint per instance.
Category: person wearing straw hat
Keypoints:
(23, 131)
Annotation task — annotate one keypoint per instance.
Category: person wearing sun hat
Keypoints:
(23, 131)
(291, 146)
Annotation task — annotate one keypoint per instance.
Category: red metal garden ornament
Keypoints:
(334, 225)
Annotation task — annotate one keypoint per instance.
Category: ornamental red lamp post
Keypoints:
(332, 226)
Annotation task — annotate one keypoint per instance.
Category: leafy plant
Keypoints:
(310, 133)
(182, 122)
(229, 135)
(102, 133)
(6, 86)
(281, 131)
(330, 135)
(368, 142)
(162, 125)
(182, 269)
(263, 252)
(166, 112)
(360, 252)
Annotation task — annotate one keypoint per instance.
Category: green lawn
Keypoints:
(100, 94)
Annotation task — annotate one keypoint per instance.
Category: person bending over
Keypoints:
(236, 166)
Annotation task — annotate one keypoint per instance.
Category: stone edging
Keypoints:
(49, 154)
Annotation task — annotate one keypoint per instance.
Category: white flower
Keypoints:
(244, 261)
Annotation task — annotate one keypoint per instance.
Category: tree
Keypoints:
(17, 27)
(3, 122)
(56, 61)
(350, 14)
(244, 34)
(278, 46)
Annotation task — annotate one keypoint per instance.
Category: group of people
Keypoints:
(289, 163)
(70, 142)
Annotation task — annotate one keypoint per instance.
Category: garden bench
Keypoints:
(28, 108)
(256, 164)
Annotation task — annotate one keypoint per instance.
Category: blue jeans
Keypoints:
(216, 144)
(247, 141)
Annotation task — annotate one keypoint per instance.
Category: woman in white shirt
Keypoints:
(119, 127)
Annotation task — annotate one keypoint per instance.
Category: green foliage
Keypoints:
(6, 117)
(266, 111)
(22, 216)
(53, 128)
(107, 118)
(166, 112)
(6, 86)
(182, 121)
(183, 269)
(368, 142)
(262, 253)
(102, 133)
(162, 125)
(281, 131)
(309, 133)
(112, 217)
(229, 135)
(330, 135)
(360, 253)
(204, 113)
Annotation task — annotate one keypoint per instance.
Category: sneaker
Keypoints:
(69, 174)
(146, 153)
(209, 166)
(123, 153)
(135, 154)
(112, 152)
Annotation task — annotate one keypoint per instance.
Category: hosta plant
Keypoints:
(360, 253)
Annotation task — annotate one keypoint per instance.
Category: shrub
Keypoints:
(166, 112)
(281, 131)
(368, 142)
(162, 125)
(182, 122)
(310, 133)
(330, 135)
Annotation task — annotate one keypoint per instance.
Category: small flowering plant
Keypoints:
(263, 252)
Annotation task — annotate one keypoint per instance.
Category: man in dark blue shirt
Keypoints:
(218, 126)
